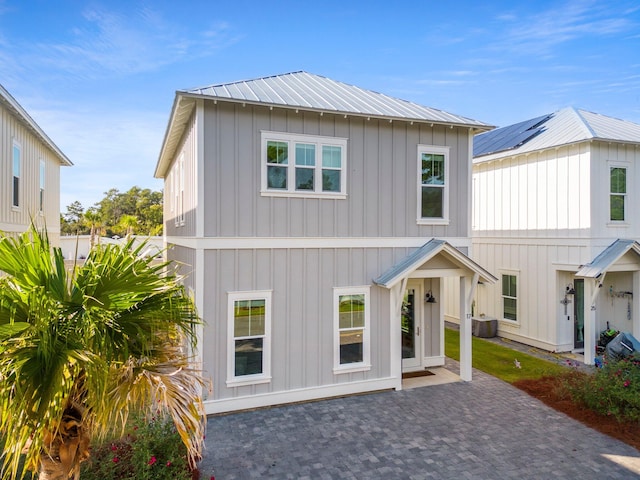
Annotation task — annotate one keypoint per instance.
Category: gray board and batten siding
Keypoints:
(381, 177)
(234, 237)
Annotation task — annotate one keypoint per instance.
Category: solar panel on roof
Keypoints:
(507, 138)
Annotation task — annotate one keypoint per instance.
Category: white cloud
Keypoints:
(109, 150)
(540, 32)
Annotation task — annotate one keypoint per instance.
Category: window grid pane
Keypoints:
(331, 156)
(249, 318)
(432, 169)
(305, 154)
(351, 346)
(330, 180)
(304, 179)
(617, 207)
(432, 202)
(618, 180)
(277, 153)
(248, 356)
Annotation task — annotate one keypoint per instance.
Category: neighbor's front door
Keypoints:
(411, 324)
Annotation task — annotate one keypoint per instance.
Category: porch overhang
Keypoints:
(435, 259)
(425, 261)
(613, 258)
(623, 255)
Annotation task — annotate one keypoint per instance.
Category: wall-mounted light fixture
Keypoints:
(429, 298)
(570, 290)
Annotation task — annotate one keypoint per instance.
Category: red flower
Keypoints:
(152, 460)
(168, 464)
(116, 459)
(627, 383)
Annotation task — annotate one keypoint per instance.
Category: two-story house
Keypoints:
(554, 217)
(316, 222)
(29, 172)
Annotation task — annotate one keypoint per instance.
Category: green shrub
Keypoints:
(150, 450)
(612, 390)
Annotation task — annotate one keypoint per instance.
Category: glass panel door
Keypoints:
(410, 318)
(578, 314)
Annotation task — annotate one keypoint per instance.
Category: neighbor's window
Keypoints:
(509, 297)
(433, 184)
(303, 165)
(351, 345)
(17, 164)
(179, 191)
(249, 337)
(618, 193)
(42, 180)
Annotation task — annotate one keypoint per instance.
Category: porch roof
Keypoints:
(430, 250)
(608, 257)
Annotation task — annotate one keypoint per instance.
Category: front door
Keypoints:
(411, 324)
(578, 315)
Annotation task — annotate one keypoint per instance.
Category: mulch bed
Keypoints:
(546, 389)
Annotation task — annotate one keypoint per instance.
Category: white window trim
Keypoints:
(365, 365)
(15, 143)
(440, 150)
(291, 139)
(627, 201)
(42, 186)
(514, 273)
(265, 376)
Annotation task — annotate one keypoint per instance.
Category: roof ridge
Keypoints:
(590, 131)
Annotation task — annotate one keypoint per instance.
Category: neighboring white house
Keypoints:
(304, 212)
(555, 216)
(29, 172)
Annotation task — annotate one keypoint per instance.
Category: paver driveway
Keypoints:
(485, 429)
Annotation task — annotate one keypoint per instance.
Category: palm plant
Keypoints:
(82, 349)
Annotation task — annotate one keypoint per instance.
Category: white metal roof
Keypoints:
(304, 91)
(314, 92)
(21, 114)
(419, 257)
(607, 258)
(564, 127)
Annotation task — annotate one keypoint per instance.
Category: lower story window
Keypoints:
(351, 312)
(509, 297)
(249, 325)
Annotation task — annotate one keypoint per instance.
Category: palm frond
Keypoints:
(108, 337)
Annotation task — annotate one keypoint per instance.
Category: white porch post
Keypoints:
(465, 332)
(590, 295)
(395, 303)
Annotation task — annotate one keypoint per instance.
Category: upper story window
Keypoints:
(17, 166)
(509, 297)
(617, 193)
(249, 327)
(351, 321)
(303, 165)
(433, 184)
(42, 184)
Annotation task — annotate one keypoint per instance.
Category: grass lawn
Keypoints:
(499, 361)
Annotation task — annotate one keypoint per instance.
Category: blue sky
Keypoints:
(100, 77)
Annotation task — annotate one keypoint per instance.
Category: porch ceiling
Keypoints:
(438, 255)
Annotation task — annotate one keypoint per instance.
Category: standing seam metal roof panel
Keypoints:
(305, 90)
(605, 259)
